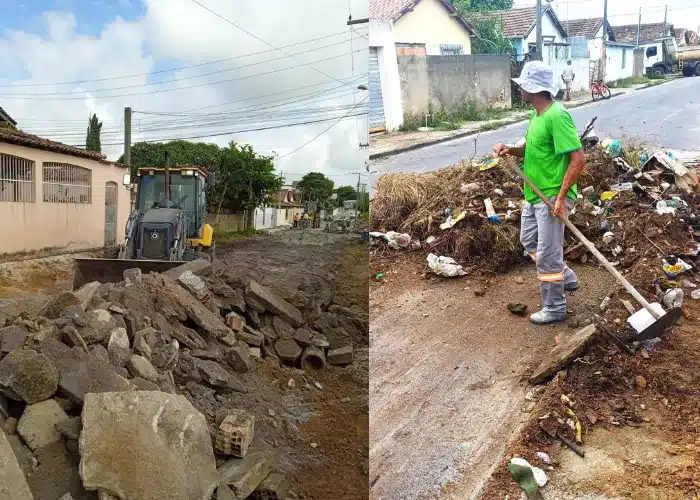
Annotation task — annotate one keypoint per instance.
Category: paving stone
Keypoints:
(239, 357)
(140, 367)
(118, 347)
(56, 304)
(340, 355)
(561, 355)
(288, 350)
(282, 328)
(37, 425)
(250, 336)
(25, 459)
(144, 385)
(214, 375)
(274, 303)
(198, 267)
(87, 293)
(70, 428)
(11, 338)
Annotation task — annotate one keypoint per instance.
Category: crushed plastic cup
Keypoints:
(695, 294)
(673, 298)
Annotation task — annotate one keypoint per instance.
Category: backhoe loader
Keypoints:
(167, 227)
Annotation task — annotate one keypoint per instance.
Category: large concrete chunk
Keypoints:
(274, 303)
(28, 376)
(274, 487)
(11, 338)
(86, 293)
(146, 445)
(563, 354)
(209, 322)
(13, 485)
(37, 426)
(81, 373)
(198, 267)
(243, 475)
(215, 375)
(118, 347)
(141, 367)
(56, 304)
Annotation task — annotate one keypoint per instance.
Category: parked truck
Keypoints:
(664, 57)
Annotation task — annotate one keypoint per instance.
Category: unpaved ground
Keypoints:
(446, 395)
(320, 425)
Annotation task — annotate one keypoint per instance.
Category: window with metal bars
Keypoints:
(450, 50)
(66, 183)
(16, 179)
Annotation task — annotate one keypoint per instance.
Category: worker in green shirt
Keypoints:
(553, 161)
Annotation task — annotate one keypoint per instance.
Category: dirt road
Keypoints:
(446, 395)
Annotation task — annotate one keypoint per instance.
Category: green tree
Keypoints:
(244, 180)
(92, 141)
(152, 154)
(480, 5)
(316, 187)
(487, 24)
(345, 193)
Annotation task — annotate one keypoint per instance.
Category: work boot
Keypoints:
(572, 287)
(545, 317)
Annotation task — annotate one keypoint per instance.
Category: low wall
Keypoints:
(228, 223)
(452, 82)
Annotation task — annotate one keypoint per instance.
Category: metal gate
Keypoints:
(376, 104)
(111, 195)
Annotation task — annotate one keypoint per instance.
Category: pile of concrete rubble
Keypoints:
(91, 388)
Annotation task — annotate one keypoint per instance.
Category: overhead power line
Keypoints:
(18, 96)
(326, 130)
(256, 37)
(232, 131)
(170, 70)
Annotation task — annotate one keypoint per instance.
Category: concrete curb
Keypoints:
(412, 147)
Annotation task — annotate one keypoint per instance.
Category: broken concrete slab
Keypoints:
(101, 324)
(250, 336)
(56, 473)
(81, 373)
(11, 338)
(56, 304)
(165, 356)
(28, 376)
(86, 293)
(13, 484)
(190, 338)
(282, 328)
(167, 382)
(254, 304)
(144, 385)
(133, 276)
(140, 367)
(118, 347)
(244, 475)
(563, 354)
(274, 303)
(141, 345)
(274, 487)
(209, 322)
(146, 445)
(340, 355)
(198, 267)
(235, 433)
(215, 375)
(70, 428)
(303, 336)
(288, 351)
(26, 460)
(239, 357)
(194, 284)
(37, 425)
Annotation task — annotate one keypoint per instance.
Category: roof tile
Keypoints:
(13, 136)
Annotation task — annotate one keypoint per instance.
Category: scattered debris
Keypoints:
(445, 266)
(517, 308)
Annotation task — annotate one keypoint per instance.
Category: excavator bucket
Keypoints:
(112, 270)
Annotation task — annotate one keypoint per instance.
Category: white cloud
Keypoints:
(177, 33)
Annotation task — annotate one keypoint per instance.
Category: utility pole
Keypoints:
(665, 17)
(279, 197)
(639, 24)
(603, 53)
(538, 42)
(127, 138)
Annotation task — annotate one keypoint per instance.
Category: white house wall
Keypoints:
(613, 64)
(431, 23)
(548, 29)
(381, 36)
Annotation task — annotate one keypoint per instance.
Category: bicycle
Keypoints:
(599, 89)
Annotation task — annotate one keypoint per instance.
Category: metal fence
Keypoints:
(16, 179)
(66, 183)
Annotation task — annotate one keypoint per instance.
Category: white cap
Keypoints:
(536, 77)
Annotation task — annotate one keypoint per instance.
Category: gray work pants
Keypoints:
(542, 235)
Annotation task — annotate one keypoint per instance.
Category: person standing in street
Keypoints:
(567, 77)
(295, 221)
(553, 161)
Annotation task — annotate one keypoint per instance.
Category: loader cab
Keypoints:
(187, 188)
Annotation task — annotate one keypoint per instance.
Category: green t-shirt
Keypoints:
(549, 138)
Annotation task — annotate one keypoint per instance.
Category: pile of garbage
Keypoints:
(470, 212)
(98, 390)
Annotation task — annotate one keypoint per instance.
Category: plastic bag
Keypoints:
(444, 266)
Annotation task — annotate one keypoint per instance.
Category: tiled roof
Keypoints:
(6, 117)
(395, 9)
(647, 32)
(13, 136)
(517, 23)
(583, 27)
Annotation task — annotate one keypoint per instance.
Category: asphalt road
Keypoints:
(667, 115)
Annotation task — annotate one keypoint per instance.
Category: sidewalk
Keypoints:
(392, 143)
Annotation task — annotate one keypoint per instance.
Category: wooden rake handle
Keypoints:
(591, 248)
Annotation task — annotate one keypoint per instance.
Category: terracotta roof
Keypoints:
(13, 136)
(647, 32)
(583, 27)
(6, 117)
(518, 23)
(395, 9)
